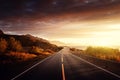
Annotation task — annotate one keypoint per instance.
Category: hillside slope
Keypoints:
(29, 41)
(16, 48)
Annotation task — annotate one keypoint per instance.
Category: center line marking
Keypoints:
(62, 59)
(63, 72)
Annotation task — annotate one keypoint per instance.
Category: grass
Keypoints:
(13, 57)
(16, 62)
(104, 53)
(21, 55)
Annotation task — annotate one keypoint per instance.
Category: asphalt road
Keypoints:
(65, 66)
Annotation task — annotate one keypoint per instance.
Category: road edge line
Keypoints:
(29, 68)
(98, 67)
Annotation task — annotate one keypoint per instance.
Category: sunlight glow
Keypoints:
(86, 34)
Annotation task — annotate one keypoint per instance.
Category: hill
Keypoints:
(15, 48)
(29, 41)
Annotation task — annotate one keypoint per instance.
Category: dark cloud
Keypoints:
(23, 15)
(23, 8)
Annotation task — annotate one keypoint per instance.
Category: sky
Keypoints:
(73, 22)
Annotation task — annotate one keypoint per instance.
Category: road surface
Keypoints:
(65, 66)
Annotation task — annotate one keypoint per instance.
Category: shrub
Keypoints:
(36, 50)
(3, 45)
(14, 45)
(49, 51)
(19, 56)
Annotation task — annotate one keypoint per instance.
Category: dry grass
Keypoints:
(20, 56)
(46, 53)
(104, 53)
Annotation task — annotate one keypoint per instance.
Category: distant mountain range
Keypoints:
(29, 41)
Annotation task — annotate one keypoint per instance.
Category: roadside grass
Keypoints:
(14, 64)
(21, 56)
(104, 53)
(17, 57)
(13, 57)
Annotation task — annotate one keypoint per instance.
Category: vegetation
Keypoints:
(14, 45)
(104, 53)
(18, 48)
(3, 45)
(20, 56)
(36, 50)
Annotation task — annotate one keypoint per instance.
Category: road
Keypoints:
(65, 66)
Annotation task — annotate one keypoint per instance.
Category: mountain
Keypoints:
(28, 41)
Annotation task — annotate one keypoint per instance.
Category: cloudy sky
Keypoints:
(76, 22)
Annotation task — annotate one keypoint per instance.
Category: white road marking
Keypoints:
(97, 67)
(30, 68)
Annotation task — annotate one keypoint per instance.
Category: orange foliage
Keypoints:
(21, 56)
(3, 45)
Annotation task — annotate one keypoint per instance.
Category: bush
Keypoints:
(49, 51)
(36, 50)
(3, 45)
(14, 45)
(19, 56)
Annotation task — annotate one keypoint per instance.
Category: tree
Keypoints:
(14, 45)
(3, 45)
